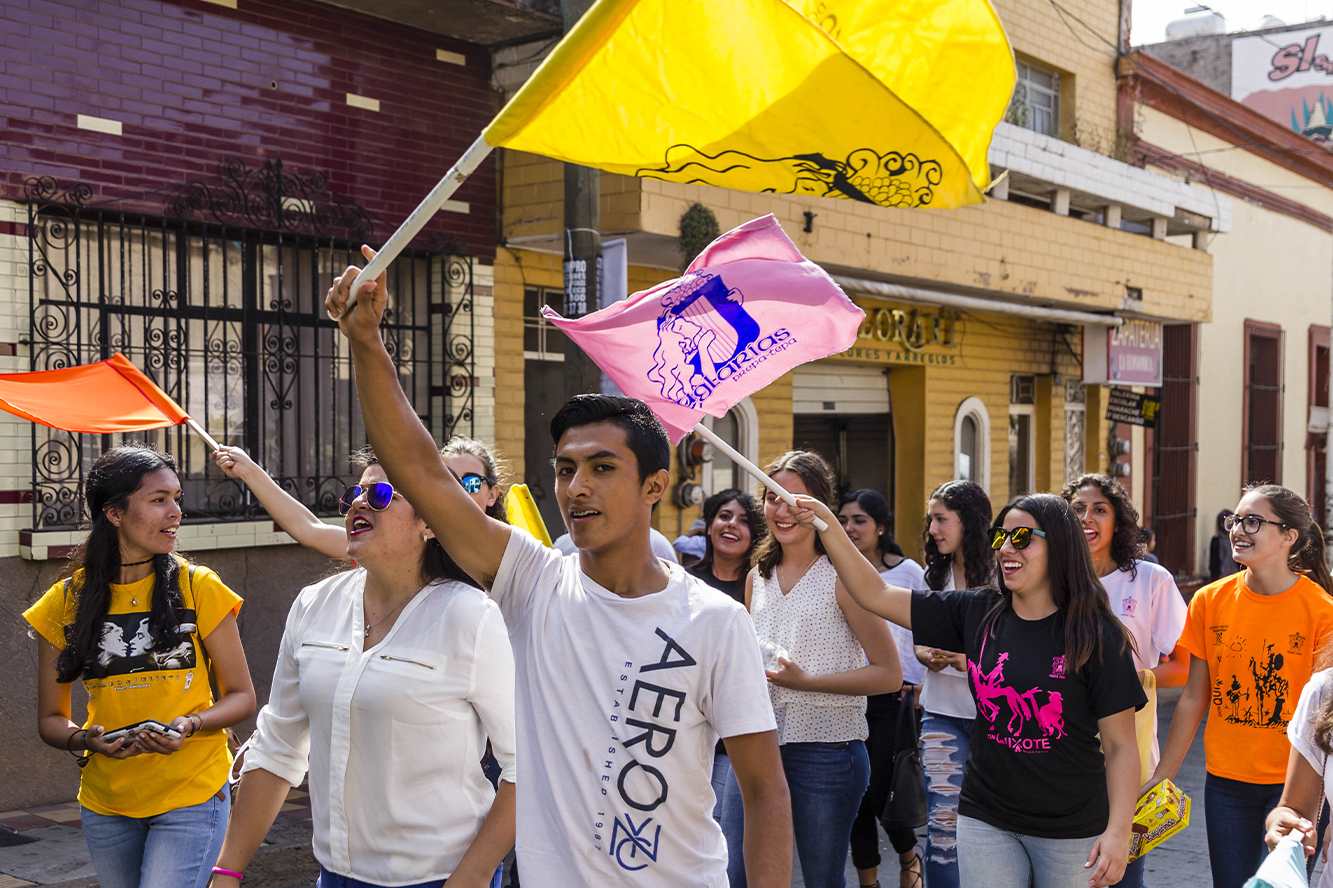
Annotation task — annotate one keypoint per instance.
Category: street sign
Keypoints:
(1130, 354)
(1135, 409)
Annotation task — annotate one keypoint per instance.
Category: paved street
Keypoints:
(52, 850)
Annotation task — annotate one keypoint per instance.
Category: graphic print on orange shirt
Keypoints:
(1249, 687)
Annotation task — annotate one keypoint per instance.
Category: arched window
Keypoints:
(971, 443)
(739, 428)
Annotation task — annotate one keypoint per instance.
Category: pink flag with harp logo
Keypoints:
(746, 311)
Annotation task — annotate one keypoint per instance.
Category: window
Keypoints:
(739, 428)
(1261, 455)
(971, 442)
(222, 305)
(1076, 413)
(1316, 434)
(1036, 101)
(542, 340)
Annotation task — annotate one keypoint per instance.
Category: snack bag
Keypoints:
(1162, 812)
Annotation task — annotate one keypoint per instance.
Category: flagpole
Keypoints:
(213, 446)
(753, 469)
(443, 190)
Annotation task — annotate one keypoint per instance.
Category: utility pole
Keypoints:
(582, 241)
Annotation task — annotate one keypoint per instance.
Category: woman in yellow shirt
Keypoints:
(143, 628)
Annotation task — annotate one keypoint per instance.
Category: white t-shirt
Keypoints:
(947, 692)
(619, 704)
(661, 546)
(1300, 731)
(1151, 607)
(906, 574)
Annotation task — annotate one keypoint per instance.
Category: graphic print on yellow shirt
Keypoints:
(1260, 651)
(135, 680)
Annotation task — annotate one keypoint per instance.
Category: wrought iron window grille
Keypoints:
(219, 298)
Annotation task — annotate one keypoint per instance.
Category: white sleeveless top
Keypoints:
(808, 623)
(947, 692)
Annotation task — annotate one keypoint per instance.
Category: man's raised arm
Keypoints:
(404, 446)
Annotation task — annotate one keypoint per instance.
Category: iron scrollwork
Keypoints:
(220, 299)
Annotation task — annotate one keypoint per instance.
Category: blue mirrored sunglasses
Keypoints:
(471, 481)
(378, 497)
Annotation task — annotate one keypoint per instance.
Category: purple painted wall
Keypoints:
(193, 84)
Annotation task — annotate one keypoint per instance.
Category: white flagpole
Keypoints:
(753, 469)
(213, 446)
(443, 190)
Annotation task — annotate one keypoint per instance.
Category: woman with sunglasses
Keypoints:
(474, 464)
(1143, 596)
(390, 680)
(1052, 673)
(1253, 638)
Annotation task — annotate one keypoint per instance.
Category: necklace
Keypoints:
(798, 576)
(134, 601)
(370, 626)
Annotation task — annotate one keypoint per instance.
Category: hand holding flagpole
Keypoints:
(708, 434)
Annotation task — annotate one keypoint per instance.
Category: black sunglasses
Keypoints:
(1019, 536)
(378, 496)
(471, 481)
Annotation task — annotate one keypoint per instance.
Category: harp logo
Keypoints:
(706, 337)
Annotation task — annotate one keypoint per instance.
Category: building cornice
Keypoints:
(1176, 94)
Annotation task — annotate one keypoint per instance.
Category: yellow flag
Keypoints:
(522, 510)
(892, 102)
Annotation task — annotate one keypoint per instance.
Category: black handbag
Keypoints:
(907, 807)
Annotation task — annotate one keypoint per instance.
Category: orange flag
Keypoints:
(109, 396)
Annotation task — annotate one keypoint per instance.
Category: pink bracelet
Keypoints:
(226, 872)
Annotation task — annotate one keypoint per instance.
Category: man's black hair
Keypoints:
(644, 433)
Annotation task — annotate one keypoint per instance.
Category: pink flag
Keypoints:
(746, 311)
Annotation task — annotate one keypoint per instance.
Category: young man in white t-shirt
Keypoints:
(627, 668)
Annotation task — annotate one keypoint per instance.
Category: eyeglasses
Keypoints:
(471, 481)
(1248, 523)
(1021, 537)
(378, 496)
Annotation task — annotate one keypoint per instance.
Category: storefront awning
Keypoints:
(923, 296)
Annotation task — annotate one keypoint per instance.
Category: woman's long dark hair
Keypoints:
(969, 501)
(95, 563)
(753, 518)
(1075, 587)
(435, 561)
(873, 503)
(1127, 540)
(818, 478)
(1308, 555)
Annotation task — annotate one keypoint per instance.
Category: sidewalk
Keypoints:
(44, 846)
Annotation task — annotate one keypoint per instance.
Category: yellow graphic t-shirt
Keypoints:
(143, 681)
(1260, 651)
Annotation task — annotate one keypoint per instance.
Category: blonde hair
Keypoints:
(497, 470)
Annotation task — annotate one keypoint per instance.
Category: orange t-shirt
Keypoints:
(1260, 651)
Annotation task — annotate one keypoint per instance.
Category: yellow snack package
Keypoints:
(1162, 812)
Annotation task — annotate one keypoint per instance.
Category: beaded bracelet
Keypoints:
(217, 870)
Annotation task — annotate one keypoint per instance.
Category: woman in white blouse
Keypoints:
(824, 654)
(390, 680)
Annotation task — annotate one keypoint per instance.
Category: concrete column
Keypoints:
(1000, 190)
(1060, 202)
(1159, 229)
(1112, 216)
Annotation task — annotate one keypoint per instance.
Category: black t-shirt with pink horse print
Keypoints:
(1035, 765)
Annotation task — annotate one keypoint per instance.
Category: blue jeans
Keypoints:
(944, 744)
(996, 858)
(333, 880)
(173, 850)
(827, 782)
(721, 771)
(1234, 812)
(1133, 877)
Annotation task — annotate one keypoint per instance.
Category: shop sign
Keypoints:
(1130, 354)
(905, 335)
(1133, 408)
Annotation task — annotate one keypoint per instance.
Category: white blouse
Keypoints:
(393, 736)
(809, 624)
(947, 692)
